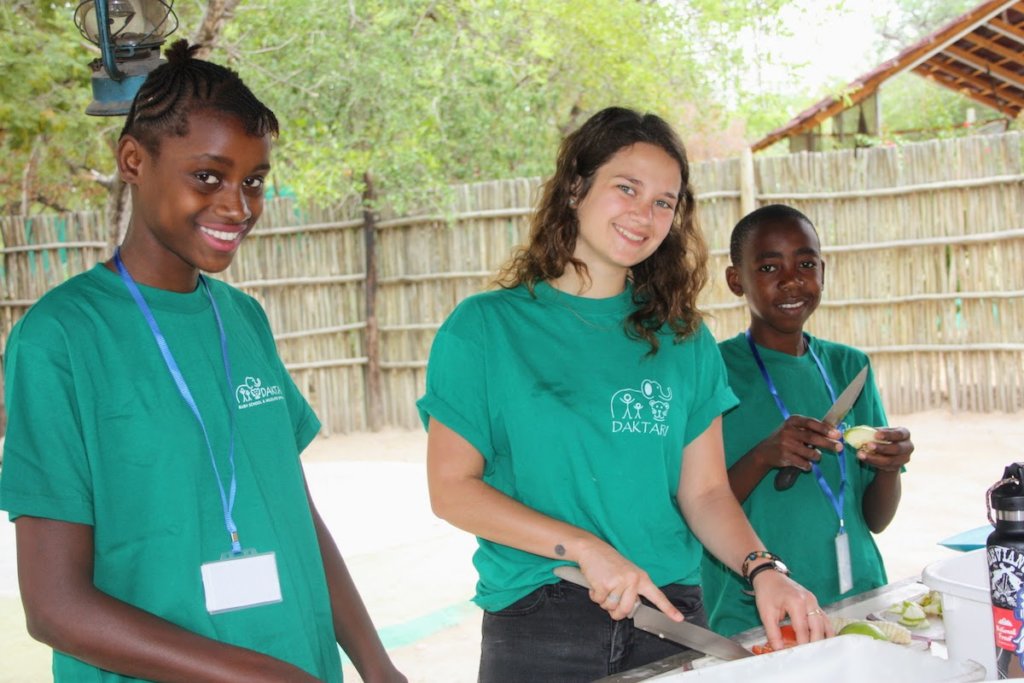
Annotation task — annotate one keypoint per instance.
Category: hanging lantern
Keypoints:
(129, 34)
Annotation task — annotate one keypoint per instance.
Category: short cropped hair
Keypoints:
(772, 213)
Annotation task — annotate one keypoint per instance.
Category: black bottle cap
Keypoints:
(1010, 495)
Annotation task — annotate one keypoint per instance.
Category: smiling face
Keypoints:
(626, 213)
(781, 274)
(194, 201)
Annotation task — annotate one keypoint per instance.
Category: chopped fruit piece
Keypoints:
(893, 632)
(788, 640)
(932, 603)
(859, 436)
(862, 628)
(913, 616)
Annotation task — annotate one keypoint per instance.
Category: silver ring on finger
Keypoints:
(816, 611)
(613, 597)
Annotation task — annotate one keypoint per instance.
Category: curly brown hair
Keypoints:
(666, 284)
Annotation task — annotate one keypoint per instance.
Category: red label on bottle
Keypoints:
(1007, 628)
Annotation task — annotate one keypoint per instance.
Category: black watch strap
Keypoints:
(774, 565)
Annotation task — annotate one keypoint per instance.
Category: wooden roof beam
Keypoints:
(1001, 106)
(1009, 104)
(994, 47)
(973, 61)
(951, 77)
(1007, 29)
(999, 89)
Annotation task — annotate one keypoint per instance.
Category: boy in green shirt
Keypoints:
(782, 375)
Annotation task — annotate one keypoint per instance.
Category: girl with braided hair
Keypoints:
(164, 528)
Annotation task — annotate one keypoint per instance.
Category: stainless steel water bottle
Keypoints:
(1005, 552)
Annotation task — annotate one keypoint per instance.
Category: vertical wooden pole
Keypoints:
(374, 399)
(119, 211)
(748, 191)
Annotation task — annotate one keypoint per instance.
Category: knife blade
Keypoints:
(682, 632)
(786, 476)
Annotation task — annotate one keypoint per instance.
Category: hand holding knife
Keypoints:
(653, 621)
(786, 476)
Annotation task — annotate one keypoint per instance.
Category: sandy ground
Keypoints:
(414, 571)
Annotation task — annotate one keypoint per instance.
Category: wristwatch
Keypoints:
(774, 563)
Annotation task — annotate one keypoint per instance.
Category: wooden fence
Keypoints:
(924, 245)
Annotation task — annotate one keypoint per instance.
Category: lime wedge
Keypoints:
(862, 628)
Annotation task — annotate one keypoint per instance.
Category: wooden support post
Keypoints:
(374, 397)
(748, 190)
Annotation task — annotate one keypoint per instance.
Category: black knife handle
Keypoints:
(786, 477)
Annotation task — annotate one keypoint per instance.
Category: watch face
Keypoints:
(779, 566)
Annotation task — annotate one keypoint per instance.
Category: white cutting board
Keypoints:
(843, 659)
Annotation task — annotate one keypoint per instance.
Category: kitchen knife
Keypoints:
(786, 476)
(654, 621)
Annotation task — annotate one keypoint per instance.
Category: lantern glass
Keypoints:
(134, 24)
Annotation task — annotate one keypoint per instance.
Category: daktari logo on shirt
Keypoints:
(252, 393)
(642, 410)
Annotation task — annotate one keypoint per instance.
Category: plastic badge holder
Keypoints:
(966, 607)
(843, 659)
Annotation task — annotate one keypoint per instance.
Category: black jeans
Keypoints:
(557, 634)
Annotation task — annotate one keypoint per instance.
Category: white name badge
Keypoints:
(241, 581)
(843, 562)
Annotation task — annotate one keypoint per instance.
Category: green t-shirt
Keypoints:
(98, 434)
(798, 524)
(575, 420)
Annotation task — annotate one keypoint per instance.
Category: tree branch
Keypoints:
(104, 180)
(50, 203)
(28, 175)
(218, 12)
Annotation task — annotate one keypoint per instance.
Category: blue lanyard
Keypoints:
(227, 500)
(837, 502)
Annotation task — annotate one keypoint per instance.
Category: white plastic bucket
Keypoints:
(966, 607)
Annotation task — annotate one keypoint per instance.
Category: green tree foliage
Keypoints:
(45, 138)
(52, 156)
(414, 94)
(417, 92)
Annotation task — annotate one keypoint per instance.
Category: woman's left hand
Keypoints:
(889, 451)
(777, 597)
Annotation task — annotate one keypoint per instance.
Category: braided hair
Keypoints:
(184, 85)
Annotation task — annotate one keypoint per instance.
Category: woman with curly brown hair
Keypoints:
(574, 418)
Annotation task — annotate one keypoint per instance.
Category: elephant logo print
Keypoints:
(246, 391)
(641, 410)
(253, 393)
(629, 404)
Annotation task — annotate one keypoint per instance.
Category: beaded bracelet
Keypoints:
(756, 555)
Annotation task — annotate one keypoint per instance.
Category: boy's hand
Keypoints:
(889, 450)
(796, 441)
